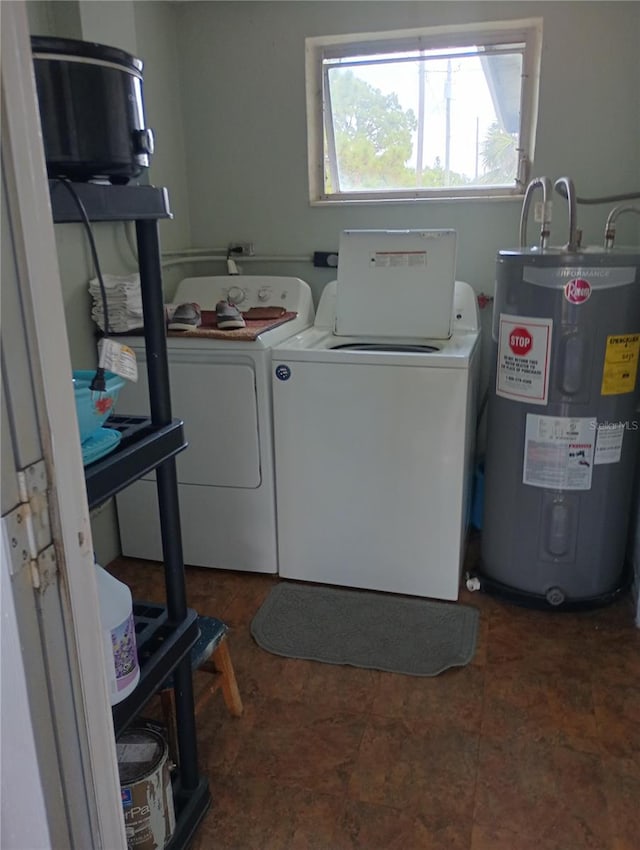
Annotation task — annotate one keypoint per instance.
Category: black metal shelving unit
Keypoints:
(166, 633)
(142, 447)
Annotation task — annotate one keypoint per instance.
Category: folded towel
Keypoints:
(124, 302)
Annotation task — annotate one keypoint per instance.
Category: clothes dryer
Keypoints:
(221, 388)
(374, 447)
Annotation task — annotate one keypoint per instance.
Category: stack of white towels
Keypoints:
(124, 302)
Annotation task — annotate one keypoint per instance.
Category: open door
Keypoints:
(61, 790)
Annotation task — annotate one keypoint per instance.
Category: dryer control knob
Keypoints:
(264, 294)
(236, 295)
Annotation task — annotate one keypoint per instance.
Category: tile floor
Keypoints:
(533, 746)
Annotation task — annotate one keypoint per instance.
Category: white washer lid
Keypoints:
(396, 283)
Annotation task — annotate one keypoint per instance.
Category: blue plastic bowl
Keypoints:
(94, 408)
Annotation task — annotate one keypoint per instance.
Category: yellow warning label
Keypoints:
(620, 364)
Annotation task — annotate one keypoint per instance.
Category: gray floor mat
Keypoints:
(398, 634)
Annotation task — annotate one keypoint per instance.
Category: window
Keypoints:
(441, 112)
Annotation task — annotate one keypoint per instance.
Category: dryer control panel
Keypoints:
(245, 291)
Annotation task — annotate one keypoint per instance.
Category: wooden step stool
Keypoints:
(209, 654)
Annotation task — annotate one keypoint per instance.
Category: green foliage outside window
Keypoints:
(373, 142)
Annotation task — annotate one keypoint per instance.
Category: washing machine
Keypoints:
(375, 434)
(220, 385)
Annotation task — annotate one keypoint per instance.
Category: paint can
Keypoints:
(145, 786)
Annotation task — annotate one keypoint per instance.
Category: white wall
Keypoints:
(146, 30)
(243, 95)
(225, 93)
(24, 820)
(158, 47)
(242, 68)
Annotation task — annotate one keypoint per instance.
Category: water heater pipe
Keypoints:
(604, 199)
(545, 184)
(610, 226)
(569, 193)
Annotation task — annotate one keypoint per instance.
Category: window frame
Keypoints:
(491, 34)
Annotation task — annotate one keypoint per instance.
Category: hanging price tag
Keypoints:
(118, 358)
(542, 211)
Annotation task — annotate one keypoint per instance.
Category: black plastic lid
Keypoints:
(86, 49)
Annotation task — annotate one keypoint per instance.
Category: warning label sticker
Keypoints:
(524, 349)
(559, 452)
(398, 259)
(620, 364)
(609, 442)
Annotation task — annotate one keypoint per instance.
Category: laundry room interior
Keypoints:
(421, 419)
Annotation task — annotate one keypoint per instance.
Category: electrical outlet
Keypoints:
(240, 249)
(325, 259)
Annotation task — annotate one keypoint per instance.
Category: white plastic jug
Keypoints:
(118, 635)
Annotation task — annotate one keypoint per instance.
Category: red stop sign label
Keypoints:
(520, 341)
